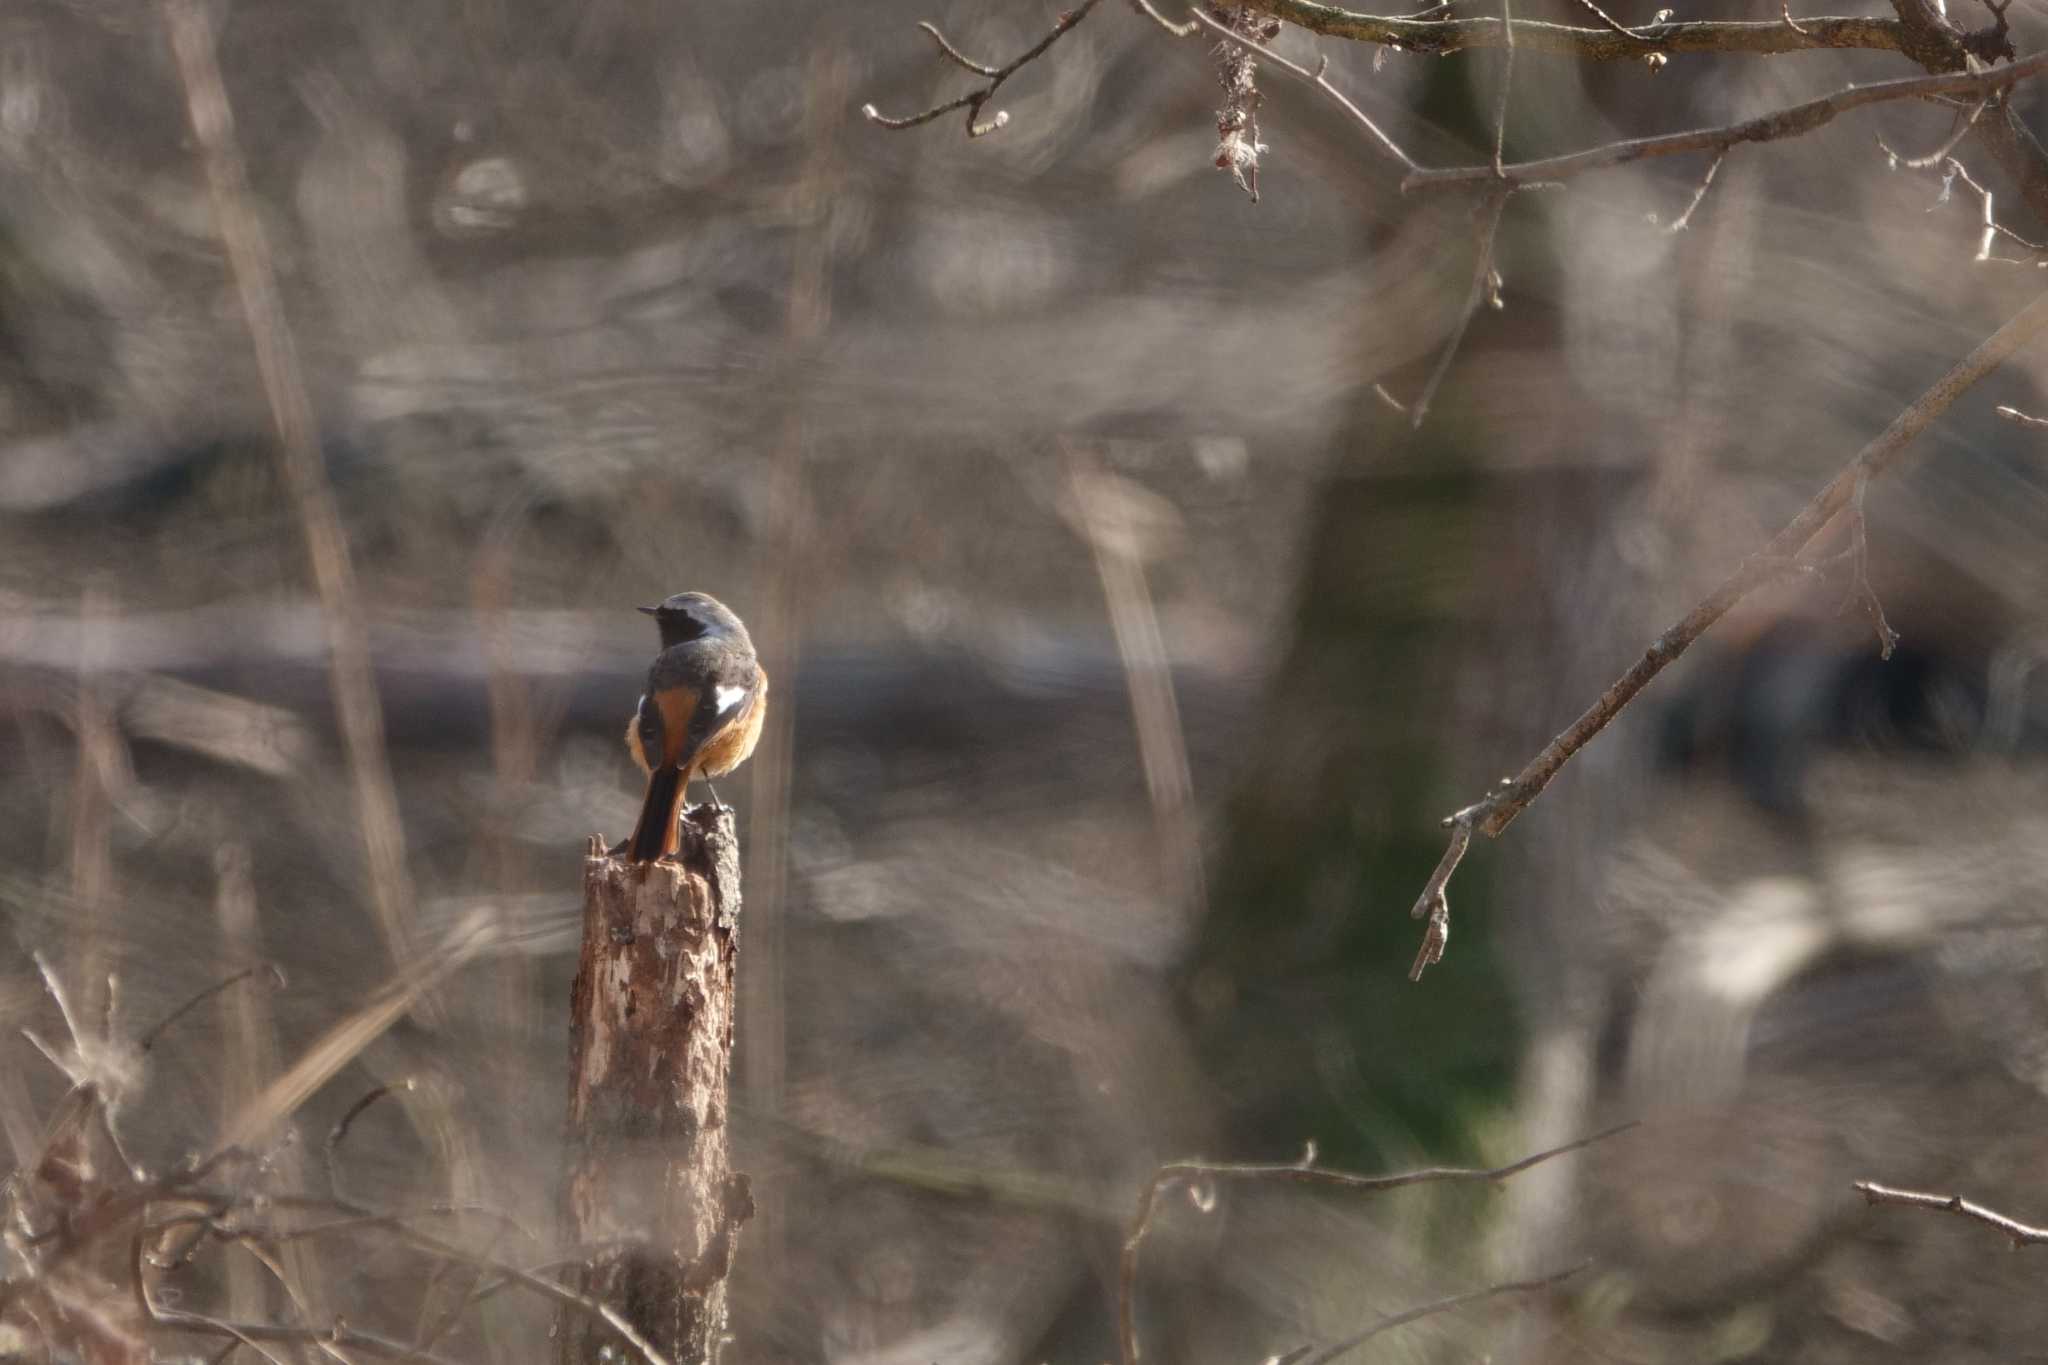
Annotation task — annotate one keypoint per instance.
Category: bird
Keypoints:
(701, 715)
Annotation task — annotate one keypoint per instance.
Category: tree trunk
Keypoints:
(649, 1184)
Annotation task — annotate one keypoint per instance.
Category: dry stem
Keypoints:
(355, 690)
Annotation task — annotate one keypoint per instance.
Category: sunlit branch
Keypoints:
(1439, 37)
(1783, 123)
(1495, 812)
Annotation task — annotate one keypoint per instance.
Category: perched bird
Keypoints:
(701, 715)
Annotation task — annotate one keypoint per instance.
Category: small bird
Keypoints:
(701, 715)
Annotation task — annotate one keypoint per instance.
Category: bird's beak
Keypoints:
(651, 611)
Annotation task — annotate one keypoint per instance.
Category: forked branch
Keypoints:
(996, 75)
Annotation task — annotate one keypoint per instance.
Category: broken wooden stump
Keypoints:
(649, 1188)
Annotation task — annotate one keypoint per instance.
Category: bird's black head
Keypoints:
(693, 615)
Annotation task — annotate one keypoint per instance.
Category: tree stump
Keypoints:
(649, 1186)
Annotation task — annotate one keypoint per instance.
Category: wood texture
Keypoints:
(648, 1177)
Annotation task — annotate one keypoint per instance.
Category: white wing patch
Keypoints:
(728, 698)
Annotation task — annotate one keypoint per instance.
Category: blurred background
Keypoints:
(1128, 648)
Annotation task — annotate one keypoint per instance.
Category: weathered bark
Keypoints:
(649, 1182)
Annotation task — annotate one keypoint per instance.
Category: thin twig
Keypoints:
(1684, 220)
(2021, 419)
(1317, 78)
(1440, 37)
(1443, 1305)
(973, 100)
(1953, 170)
(1507, 80)
(1302, 1172)
(1145, 8)
(1783, 123)
(954, 54)
(1485, 280)
(1861, 593)
(339, 1133)
(148, 1040)
(1935, 157)
(1993, 229)
(1612, 24)
(2018, 1233)
(1498, 810)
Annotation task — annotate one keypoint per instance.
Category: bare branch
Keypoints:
(1935, 157)
(1434, 901)
(1145, 8)
(2018, 1233)
(1485, 283)
(1440, 37)
(1436, 1306)
(1861, 593)
(1507, 79)
(953, 54)
(1993, 229)
(339, 1133)
(1784, 553)
(163, 1025)
(1609, 22)
(1302, 1172)
(973, 101)
(1772, 127)
(1684, 220)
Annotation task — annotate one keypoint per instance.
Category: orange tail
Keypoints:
(654, 837)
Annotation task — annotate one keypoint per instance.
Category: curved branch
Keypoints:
(1771, 127)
